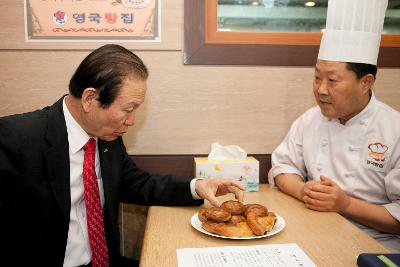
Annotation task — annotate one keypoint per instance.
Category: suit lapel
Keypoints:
(57, 158)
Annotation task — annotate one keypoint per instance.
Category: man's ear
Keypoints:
(89, 99)
(367, 82)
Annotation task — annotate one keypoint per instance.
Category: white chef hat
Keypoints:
(353, 31)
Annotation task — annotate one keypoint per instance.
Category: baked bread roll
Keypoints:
(261, 224)
(218, 214)
(202, 214)
(240, 229)
(268, 221)
(234, 207)
(237, 219)
(234, 219)
(258, 209)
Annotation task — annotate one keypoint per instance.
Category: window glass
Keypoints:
(286, 16)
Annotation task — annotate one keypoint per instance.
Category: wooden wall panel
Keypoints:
(12, 31)
(187, 107)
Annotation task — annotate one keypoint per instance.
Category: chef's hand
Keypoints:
(306, 187)
(209, 189)
(325, 195)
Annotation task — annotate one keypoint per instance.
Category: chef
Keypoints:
(343, 155)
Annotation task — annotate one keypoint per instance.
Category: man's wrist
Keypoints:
(193, 188)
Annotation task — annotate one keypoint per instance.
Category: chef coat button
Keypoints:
(319, 168)
(353, 148)
(363, 123)
(348, 174)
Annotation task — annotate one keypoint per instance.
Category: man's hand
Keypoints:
(306, 187)
(325, 195)
(211, 188)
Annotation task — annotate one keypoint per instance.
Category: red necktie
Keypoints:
(94, 214)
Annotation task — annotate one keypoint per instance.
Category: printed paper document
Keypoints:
(277, 255)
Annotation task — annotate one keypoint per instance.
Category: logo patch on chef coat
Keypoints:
(376, 155)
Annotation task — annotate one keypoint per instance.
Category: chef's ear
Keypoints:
(367, 82)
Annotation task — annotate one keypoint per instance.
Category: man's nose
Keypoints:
(130, 120)
(323, 88)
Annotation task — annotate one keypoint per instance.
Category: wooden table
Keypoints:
(326, 237)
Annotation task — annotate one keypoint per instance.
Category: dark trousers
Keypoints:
(128, 262)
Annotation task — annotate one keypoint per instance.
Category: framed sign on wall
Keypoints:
(92, 20)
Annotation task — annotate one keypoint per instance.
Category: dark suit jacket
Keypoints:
(35, 198)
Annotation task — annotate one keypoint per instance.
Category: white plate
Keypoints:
(279, 225)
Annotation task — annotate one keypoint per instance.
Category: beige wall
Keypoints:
(187, 107)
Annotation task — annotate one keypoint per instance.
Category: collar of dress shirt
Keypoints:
(77, 137)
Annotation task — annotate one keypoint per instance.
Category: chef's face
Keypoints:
(338, 91)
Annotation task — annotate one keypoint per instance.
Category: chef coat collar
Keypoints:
(364, 116)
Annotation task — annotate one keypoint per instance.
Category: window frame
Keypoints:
(204, 45)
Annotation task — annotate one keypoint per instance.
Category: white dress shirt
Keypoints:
(362, 156)
(78, 247)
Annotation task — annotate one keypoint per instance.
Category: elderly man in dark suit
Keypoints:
(64, 170)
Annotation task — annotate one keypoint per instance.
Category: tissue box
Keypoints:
(244, 171)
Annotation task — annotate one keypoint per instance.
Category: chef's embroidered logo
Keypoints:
(377, 154)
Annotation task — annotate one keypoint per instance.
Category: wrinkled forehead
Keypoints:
(132, 90)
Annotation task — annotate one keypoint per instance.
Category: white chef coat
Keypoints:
(362, 156)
